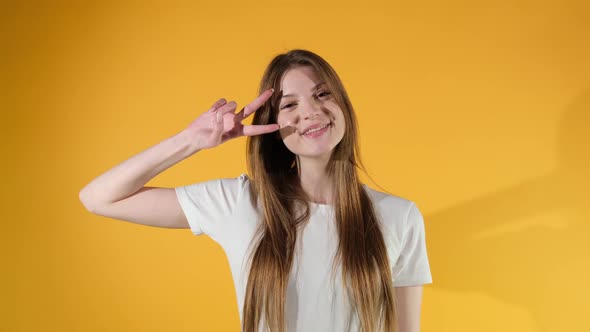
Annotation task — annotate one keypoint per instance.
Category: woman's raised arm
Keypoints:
(120, 193)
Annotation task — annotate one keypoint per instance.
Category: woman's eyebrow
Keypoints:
(314, 88)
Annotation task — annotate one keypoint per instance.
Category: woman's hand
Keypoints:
(220, 123)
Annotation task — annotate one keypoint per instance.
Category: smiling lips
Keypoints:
(316, 131)
(314, 128)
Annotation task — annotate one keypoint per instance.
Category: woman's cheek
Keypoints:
(283, 120)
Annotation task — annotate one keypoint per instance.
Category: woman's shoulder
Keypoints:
(389, 204)
(223, 187)
(380, 197)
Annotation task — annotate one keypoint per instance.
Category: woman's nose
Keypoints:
(310, 109)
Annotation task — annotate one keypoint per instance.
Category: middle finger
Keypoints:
(255, 104)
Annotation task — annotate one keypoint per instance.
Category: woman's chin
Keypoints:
(317, 152)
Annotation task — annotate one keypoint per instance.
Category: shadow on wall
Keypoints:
(528, 245)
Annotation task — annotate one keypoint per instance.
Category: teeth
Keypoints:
(315, 129)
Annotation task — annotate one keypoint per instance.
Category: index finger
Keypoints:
(255, 104)
(252, 130)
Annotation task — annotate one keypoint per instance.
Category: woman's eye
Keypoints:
(323, 94)
(286, 106)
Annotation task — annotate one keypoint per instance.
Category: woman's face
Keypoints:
(311, 121)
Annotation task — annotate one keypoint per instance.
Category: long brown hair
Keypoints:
(276, 190)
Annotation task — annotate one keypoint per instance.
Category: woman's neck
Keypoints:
(315, 180)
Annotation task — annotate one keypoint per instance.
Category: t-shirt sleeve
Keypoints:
(412, 267)
(210, 205)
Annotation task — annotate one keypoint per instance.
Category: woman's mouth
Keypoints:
(317, 132)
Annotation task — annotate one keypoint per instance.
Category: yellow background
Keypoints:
(478, 111)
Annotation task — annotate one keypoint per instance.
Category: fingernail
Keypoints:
(272, 90)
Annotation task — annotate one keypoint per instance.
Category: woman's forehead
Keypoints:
(299, 78)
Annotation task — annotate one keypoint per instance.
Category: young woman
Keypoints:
(310, 247)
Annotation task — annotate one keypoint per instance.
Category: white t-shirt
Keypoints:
(222, 210)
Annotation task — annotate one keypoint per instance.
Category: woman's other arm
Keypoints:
(409, 303)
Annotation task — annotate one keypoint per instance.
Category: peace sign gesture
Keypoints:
(220, 123)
